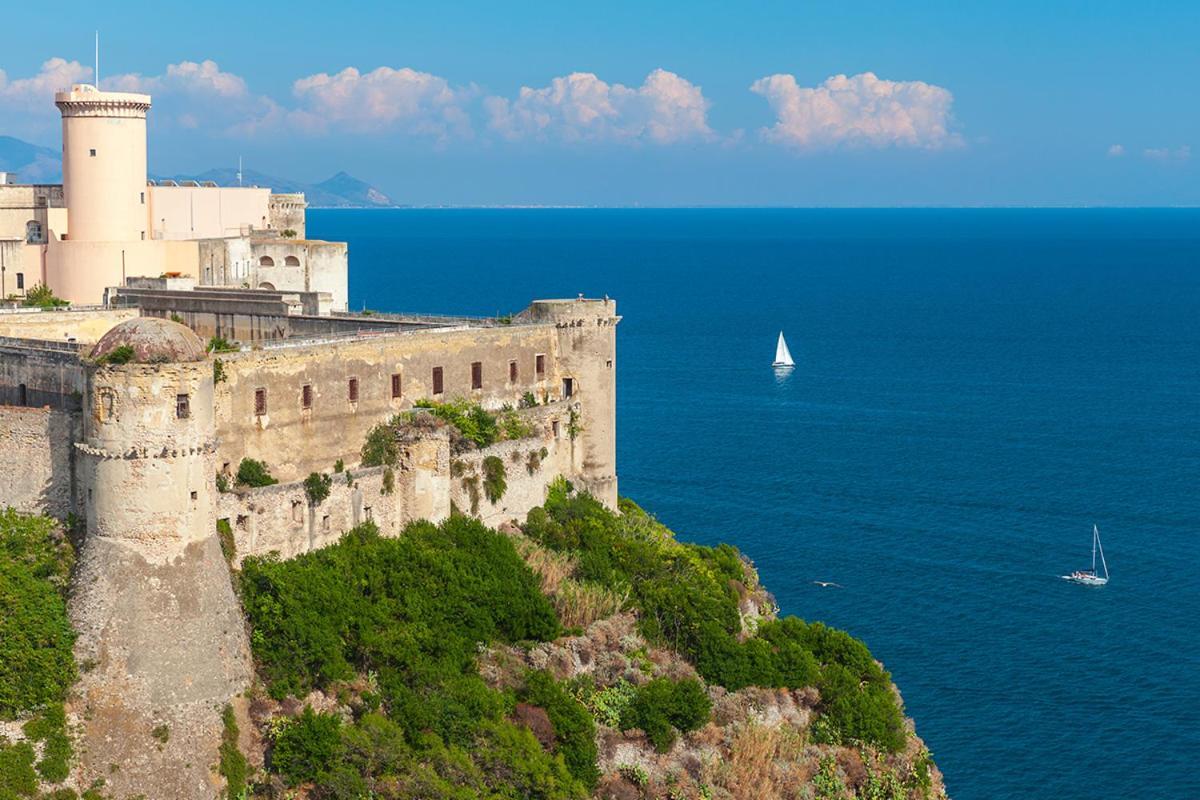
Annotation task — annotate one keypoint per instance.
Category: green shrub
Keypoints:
(528, 400)
(339, 466)
(228, 543)
(254, 473)
(664, 707)
(222, 482)
(380, 447)
(122, 354)
(411, 611)
(218, 371)
(36, 662)
(41, 296)
(477, 426)
(17, 776)
(50, 728)
(308, 747)
(607, 705)
(232, 765)
(219, 344)
(574, 730)
(317, 486)
(494, 478)
(411, 608)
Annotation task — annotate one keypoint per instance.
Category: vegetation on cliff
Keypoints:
(37, 667)
(452, 662)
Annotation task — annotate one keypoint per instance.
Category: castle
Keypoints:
(115, 414)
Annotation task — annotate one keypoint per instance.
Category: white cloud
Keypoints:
(195, 94)
(1182, 153)
(29, 102)
(1116, 151)
(204, 78)
(581, 108)
(862, 110)
(383, 99)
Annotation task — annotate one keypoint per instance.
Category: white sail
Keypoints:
(1103, 563)
(783, 356)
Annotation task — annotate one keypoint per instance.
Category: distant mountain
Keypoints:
(35, 164)
(340, 191)
(30, 162)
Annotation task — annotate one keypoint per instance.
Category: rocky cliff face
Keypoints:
(760, 744)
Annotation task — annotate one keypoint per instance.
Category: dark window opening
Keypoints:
(193, 495)
(368, 514)
(20, 280)
(92, 152)
(396, 386)
(568, 387)
(539, 363)
(437, 380)
(143, 198)
(354, 390)
(608, 363)
(554, 427)
(512, 372)
(306, 396)
(325, 523)
(476, 374)
(182, 407)
(260, 402)
(22, 395)
(243, 522)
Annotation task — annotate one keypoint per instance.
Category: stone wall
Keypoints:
(37, 373)
(283, 520)
(295, 440)
(37, 460)
(83, 326)
(530, 465)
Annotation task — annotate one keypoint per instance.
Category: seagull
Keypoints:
(828, 584)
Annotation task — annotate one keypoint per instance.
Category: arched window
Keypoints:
(268, 286)
(34, 233)
(266, 261)
(291, 261)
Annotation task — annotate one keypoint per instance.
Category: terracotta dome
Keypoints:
(154, 341)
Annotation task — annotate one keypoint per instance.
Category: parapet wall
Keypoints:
(530, 465)
(37, 460)
(282, 519)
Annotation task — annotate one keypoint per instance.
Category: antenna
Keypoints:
(96, 75)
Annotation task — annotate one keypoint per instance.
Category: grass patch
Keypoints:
(232, 764)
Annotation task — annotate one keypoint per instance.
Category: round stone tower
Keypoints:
(149, 433)
(153, 603)
(104, 163)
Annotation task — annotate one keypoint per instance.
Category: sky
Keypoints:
(979, 103)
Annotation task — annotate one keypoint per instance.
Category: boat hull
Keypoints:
(1086, 581)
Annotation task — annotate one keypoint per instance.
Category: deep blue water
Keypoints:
(974, 388)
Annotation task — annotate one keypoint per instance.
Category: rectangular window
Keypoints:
(20, 280)
(92, 152)
(368, 514)
(608, 363)
(306, 396)
(554, 427)
(354, 390)
(396, 386)
(182, 409)
(143, 198)
(22, 395)
(260, 402)
(476, 374)
(143, 236)
(539, 363)
(568, 387)
(512, 372)
(437, 380)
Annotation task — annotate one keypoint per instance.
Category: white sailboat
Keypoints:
(783, 356)
(1089, 577)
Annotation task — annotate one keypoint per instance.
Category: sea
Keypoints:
(973, 390)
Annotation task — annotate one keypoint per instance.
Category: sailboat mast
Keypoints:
(1095, 538)
(1102, 561)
